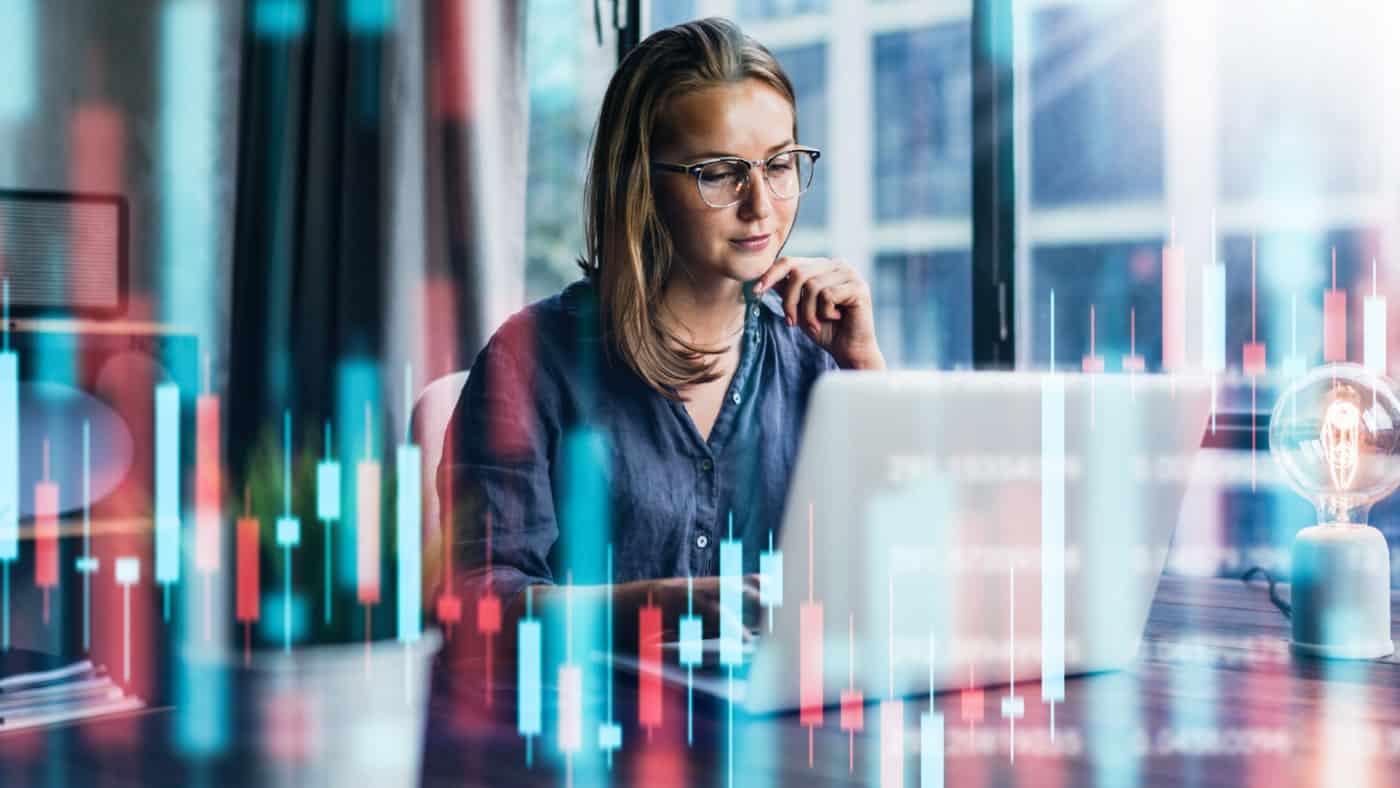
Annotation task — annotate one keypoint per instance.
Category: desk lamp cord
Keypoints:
(1279, 602)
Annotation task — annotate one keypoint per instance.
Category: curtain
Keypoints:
(379, 233)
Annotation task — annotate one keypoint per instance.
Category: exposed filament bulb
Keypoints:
(1341, 441)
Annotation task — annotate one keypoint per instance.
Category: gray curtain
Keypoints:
(458, 212)
(381, 200)
(380, 225)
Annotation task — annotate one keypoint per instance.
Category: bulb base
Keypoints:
(1341, 592)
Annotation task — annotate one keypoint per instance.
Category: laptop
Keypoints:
(958, 530)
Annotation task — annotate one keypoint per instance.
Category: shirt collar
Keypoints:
(769, 299)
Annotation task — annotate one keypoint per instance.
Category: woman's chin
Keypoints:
(734, 267)
(747, 267)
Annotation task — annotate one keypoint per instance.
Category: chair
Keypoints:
(431, 414)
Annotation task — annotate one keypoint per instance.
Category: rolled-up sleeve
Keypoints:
(494, 478)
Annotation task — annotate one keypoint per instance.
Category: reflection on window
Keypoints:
(922, 119)
(1096, 93)
(923, 315)
(806, 67)
(1119, 280)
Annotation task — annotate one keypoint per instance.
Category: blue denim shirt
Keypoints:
(567, 452)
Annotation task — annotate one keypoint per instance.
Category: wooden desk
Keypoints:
(1214, 699)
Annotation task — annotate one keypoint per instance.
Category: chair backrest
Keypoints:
(431, 413)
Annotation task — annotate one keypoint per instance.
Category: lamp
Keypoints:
(1335, 432)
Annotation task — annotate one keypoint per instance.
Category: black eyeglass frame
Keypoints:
(749, 165)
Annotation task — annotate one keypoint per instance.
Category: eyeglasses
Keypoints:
(724, 181)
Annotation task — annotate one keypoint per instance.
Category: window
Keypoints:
(567, 73)
(806, 67)
(1298, 269)
(1096, 96)
(773, 9)
(1120, 281)
(665, 13)
(1235, 131)
(1299, 110)
(1148, 124)
(1092, 222)
(892, 191)
(1304, 103)
(923, 123)
(922, 166)
(923, 315)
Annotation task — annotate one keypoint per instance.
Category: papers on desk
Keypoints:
(72, 692)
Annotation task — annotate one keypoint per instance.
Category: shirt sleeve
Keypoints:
(494, 478)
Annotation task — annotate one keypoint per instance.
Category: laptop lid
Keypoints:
(925, 508)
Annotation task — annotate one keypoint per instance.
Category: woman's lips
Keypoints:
(755, 244)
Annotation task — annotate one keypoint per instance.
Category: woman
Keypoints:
(652, 409)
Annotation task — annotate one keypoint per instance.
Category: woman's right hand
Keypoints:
(670, 594)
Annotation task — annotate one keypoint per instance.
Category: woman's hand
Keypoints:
(670, 594)
(831, 301)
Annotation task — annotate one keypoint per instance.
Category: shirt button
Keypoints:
(706, 464)
(754, 311)
(736, 398)
(702, 541)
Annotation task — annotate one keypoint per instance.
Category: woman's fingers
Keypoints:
(752, 583)
(729, 619)
(815, 290)
(791, 288)
(775, 273)
(847, 293)
(801, 283)
(715, 615)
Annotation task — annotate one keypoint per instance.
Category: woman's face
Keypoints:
(752, 121)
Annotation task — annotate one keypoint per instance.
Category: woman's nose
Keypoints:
(757, 201)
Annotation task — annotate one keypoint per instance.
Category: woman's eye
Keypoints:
(720, 175)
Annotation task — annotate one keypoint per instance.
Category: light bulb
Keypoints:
(1335, 433)
(1341, 438)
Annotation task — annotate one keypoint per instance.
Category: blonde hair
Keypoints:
(629, 252)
